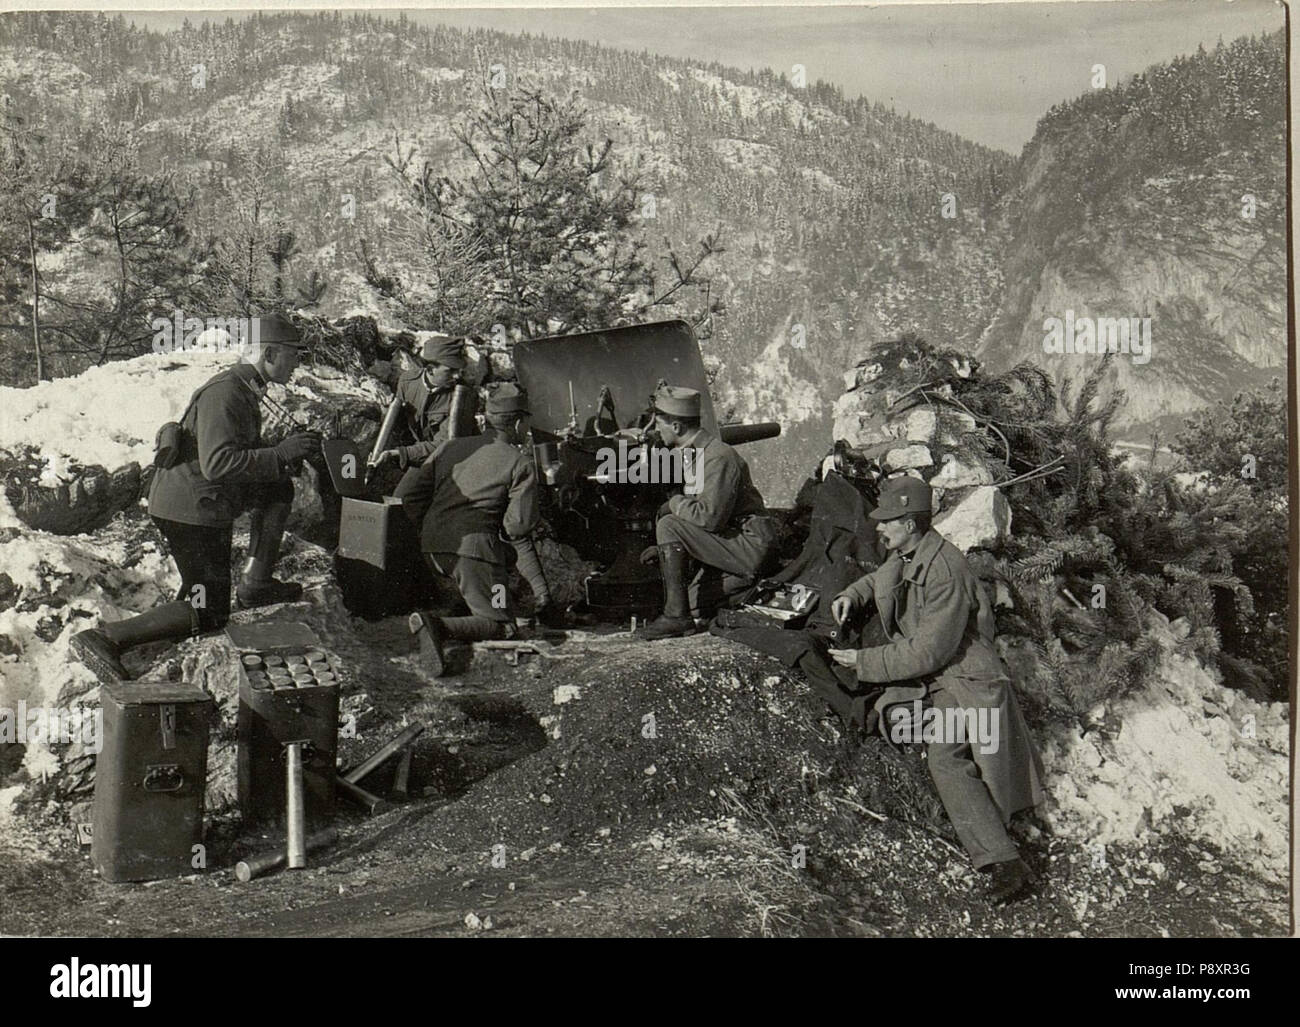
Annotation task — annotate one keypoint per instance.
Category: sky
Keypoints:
(985, 71)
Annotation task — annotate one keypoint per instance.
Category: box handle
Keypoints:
(167, 725)
(163, 777)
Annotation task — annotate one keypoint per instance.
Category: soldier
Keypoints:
(438, 408)
(427, 393)
(223, 471)
(471, 499)
(936, 618)
(719, 521)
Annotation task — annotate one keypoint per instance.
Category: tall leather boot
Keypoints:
(529, 565)
(434, 631)
(257, 587)
(101, 648)
(676, 620)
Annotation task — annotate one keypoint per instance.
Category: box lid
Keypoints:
(267, 636)
(154, 693)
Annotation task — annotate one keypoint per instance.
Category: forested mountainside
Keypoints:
(829, 209)
(842, 222)
(1164, 197)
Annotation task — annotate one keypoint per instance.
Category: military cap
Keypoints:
(506, 399)
(443, 350)
(278, 329)
(902, 496)
(677, 401)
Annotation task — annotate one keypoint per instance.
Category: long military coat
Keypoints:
(940, 627)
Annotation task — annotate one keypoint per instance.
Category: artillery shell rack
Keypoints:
(288, 693)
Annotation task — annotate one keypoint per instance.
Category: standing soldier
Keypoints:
(222, 471)
(470, 500)
(938, 624)
(720, 521)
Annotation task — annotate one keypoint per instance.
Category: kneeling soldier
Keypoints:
(222, 472)
(472, 498)
(720, 521)
(939, 625)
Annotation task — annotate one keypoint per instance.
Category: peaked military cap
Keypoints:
(442, 349)
(677, 401)
(902, 496)
(507, 398)
(277, 328)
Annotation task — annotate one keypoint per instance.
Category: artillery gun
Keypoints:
(602, 472)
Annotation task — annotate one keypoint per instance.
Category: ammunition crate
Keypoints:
(149, 780)
(378, 563)
(288, 694)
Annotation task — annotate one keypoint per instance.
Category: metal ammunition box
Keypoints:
(378, 564)
(282, 699)
(149, 780)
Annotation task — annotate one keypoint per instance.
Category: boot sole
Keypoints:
(687, 633)
(95, 663)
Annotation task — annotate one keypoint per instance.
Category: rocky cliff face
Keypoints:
(1138, 203)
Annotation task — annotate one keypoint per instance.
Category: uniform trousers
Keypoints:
(483, 584)
(201, 553)
(730, 559)
(965, 797)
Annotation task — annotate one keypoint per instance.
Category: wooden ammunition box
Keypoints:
(285, 697)
(149, 780)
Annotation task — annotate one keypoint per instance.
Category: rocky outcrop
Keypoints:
(86, 499)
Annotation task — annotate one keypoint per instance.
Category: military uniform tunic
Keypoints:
(720, 519)
(464, 497)
(940, 630)
(428, 416)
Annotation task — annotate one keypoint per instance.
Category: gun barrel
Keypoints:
(739, 434)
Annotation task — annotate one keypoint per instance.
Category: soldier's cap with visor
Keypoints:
(677, 401)
(507, 400)
(277, 329)
(900, 497)
(444, 350)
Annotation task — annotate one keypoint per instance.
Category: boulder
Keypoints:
(955, 473)
(913, 455)
(979, 518)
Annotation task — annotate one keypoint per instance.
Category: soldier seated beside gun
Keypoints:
(720, 521)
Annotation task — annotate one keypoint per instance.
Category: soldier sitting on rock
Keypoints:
(937, 628)
(719, 521)
(223, 471)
